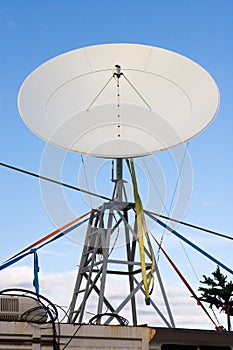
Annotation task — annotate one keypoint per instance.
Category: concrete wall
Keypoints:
(23, 336)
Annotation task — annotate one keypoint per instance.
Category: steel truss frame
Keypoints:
(96, 264)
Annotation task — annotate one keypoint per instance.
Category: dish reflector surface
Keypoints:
(78, 101)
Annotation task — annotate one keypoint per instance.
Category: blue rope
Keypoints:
(11, 262)
(36, 270)
(36, 260)
(68, 230)
(36, 266)
(189, 242)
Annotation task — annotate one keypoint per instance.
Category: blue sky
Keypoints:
(32, 32)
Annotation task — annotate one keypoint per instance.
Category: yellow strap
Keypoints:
(143, 237)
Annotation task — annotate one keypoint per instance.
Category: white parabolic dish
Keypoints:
(74, 101)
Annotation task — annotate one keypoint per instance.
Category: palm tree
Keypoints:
(219, 293)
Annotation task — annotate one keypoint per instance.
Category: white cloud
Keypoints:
(19, 277)
(58, 287)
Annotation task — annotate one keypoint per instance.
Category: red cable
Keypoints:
(60, 229)
(184, 281)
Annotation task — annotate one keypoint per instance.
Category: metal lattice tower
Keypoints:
(96, 263)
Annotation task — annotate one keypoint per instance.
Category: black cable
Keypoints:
(72, 337)
(123, 321)
(54, 181)
(28, 314)
(50, 309)
(64, 311)
(109, 199)
(36, 297)
(190, 225)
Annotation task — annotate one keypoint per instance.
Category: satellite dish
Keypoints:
(118, 100)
